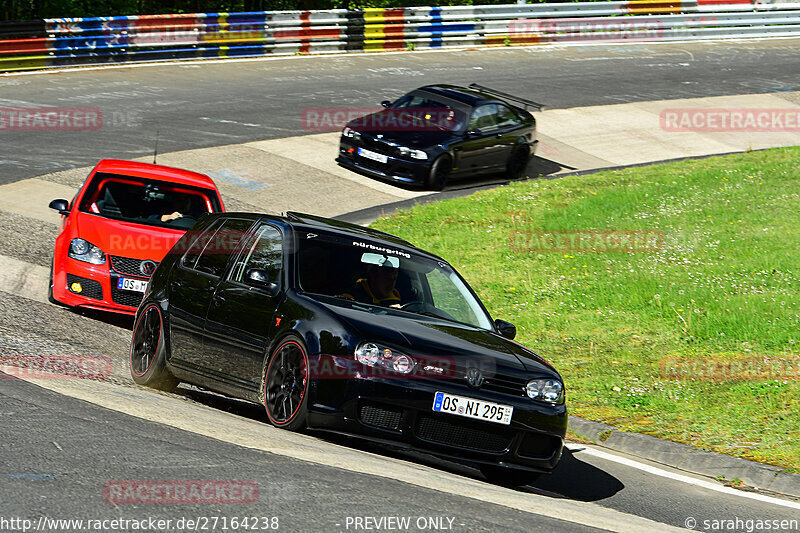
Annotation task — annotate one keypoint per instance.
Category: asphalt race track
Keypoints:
(64, 440)
(201, 105)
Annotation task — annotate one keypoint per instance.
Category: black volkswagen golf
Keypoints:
(337, 327)
(439, 132)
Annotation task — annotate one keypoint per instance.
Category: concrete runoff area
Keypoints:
(300, 174)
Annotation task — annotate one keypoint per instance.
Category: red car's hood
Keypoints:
(127, 239)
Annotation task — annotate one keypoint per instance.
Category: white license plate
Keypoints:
(128, 284)
(369, 154)
(472, 408)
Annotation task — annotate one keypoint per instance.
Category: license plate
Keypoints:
(369, 154)
(472, 408)
(128, 284)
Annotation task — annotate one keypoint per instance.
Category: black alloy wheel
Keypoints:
(286, 385)
(439, 173)
(148, 348)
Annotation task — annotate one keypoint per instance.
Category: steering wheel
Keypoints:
(424, 308)
(413, 304)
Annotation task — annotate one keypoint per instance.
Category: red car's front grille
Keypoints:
(128, 266)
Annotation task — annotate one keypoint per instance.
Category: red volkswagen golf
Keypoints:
(119, 226)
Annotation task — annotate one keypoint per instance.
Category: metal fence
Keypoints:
(64, 42)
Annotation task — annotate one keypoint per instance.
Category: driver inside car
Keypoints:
(378, 288)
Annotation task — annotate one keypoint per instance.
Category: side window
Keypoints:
(200, 241)
(222, 246)
(506, 118)
(265, 251)
(484, 118)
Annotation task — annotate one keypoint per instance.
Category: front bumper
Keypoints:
(395, 169)
(99, 288)
(399, 411)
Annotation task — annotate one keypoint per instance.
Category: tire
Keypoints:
(518, 162)
(508, 477)
(284, 385)
(148, 351)
(439, 172)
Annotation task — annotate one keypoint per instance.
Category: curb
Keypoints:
(370, 214)
(687, 458)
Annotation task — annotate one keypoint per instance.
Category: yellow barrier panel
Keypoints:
(24, 63)
(644, 7)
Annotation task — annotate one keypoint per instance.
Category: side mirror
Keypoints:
(506, 329)
(474, 133)
(257, 277)
(386, 103)
(60, 205)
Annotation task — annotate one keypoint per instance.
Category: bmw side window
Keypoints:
(263, 251)
(484, 118)
(222, 246)
(506, 118)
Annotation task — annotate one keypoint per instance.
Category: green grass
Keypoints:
(723, 287)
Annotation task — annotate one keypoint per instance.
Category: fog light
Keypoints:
(76, 287)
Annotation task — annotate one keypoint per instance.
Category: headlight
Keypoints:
(545, 390)
(414, 154)
(377, 356)
(87, 252)
(350, 133)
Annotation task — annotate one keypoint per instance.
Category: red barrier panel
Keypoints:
(23, 46)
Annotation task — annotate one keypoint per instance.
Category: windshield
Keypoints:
(379, 275)
(147, 201)
(434, 111)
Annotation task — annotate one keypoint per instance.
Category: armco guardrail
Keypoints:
(63, 42)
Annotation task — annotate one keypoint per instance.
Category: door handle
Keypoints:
(218, 300)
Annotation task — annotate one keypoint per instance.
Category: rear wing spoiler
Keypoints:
(511, 97)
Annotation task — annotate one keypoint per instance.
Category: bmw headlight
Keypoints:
(350, 133)
(410, 152)
(545, 390)
(377, 356)
(83, 250)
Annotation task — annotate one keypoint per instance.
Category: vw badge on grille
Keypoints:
(474, 378)
(147, 267)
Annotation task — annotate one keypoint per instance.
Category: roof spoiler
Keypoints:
(493, 92)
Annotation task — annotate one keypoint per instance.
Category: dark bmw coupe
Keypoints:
(337, 327)
(439, 132)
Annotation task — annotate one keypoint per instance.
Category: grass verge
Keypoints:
(666, 295)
